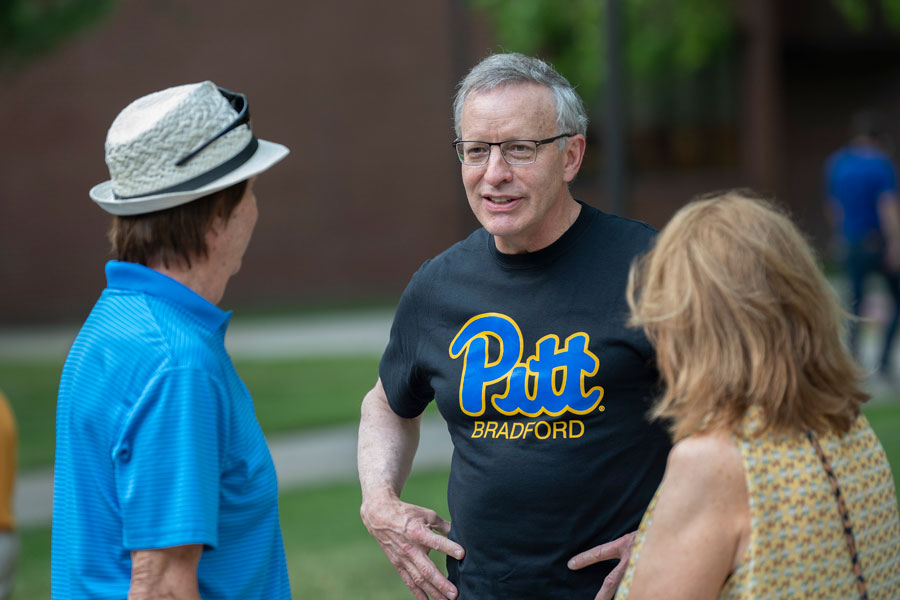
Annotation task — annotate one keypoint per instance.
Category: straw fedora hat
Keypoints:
(180, 144)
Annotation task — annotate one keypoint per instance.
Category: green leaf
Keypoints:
(855, 13)
(32, 27)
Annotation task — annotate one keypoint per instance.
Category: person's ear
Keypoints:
(573, 155)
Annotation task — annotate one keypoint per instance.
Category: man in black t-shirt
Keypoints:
(518, 333)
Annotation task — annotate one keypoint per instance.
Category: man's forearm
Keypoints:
(387, 445)
(165, 574)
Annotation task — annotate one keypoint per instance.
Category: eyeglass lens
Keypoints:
(516, 152)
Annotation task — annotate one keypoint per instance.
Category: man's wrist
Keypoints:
(377, 495)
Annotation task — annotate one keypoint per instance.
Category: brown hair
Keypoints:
(740, 314)
(175, 235)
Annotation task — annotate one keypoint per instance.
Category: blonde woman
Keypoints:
(776, 487)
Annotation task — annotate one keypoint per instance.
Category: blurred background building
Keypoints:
(715, 93)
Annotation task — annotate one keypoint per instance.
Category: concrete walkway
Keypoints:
(363, 332)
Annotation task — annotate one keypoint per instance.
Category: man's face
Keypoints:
(523, 206)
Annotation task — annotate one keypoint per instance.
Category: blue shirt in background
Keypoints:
(856, 177)
(157, 445)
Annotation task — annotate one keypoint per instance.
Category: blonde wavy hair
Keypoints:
(740, 314)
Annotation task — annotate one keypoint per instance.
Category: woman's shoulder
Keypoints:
(709, 469)
(706, 456)
(697, 533)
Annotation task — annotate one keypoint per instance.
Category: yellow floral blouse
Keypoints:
(797, 544)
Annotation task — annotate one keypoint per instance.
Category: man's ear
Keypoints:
(216, 227)
(573, 155)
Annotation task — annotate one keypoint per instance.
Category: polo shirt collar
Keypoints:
(138, 278)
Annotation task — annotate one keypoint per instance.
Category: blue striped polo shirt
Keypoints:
(157, 445)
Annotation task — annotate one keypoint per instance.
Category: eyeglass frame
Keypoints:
(242, 118)
(537, 144)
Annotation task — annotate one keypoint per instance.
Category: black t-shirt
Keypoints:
(545, 392)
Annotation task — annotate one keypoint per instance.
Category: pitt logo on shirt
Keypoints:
(550, 382)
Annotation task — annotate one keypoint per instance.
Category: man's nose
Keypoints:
(497, 169)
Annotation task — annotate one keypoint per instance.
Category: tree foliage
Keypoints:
(861, 15)
(661, 35)
(564, 32)
(663, 38)
(31, 27)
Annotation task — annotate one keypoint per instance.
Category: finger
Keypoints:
(418, 572)
(405, 565)
(410, 583)
(449, 547)
(436, 522)
(429, 574)
(618, 548)
(593, 556)
(431, 540)
(419, 585)
(612, 581)
(439, 524)
(447, 593)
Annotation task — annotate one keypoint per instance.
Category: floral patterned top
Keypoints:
(797, 547)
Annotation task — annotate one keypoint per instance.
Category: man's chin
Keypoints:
(501, 228)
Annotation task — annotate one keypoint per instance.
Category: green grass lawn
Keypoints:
(289, 395)
(329, 553)
(885, 420)
(300, 394)
(331, 556)
(31, 389)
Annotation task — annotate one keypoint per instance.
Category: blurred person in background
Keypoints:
(864, 208)
(518, 335)
(164, 485)
(776, 485)
(9, 540)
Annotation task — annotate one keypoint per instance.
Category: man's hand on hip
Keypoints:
(621, 549)
(406, 533)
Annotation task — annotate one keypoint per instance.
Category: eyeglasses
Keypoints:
(239, 103)
(514, 152)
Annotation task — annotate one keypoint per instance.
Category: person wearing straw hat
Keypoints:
(164, 486)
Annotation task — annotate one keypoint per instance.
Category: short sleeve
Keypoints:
(887, 177)
(167, 462)
(407, 393)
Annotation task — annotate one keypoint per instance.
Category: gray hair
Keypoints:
(504, 69)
